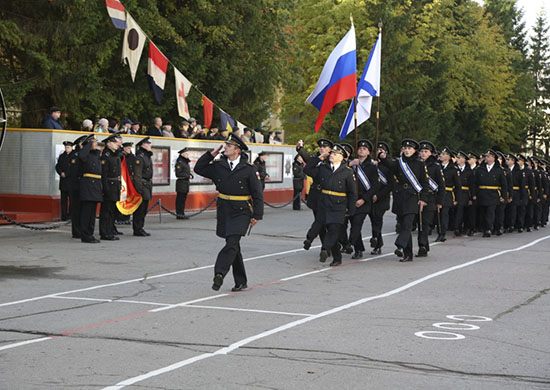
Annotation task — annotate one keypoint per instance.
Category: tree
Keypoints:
(539, 66)
(67, 53)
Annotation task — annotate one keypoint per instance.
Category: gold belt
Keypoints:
(466, 188)
(334, 193)
(515, 188)
(92, 175)
(449, 188)
(234, 197)
(489, 188)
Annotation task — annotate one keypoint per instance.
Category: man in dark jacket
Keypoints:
(490, 190)
(142, 169)
(410, 193)
(452, 191)
(297, 181)
(63, 170)
(183, 173)
(464, 198)
(74, 186)
(51, 121)
(91, 188)
(240, 204)
(436, 195)
(517, 193)
(259, 162)
(110, 178)
(366, 175)
(338, 196)
(156, 129)
(314, 194)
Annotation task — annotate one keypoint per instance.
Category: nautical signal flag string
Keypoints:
(132, 48)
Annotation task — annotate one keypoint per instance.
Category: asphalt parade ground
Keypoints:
(140, 313)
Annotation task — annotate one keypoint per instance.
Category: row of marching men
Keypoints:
(451, 191)
(90, 176)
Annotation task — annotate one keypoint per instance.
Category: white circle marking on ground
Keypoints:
(455, 326)
(454, 336)
(468, 317)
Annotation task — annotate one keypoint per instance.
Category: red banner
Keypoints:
(208, 111)
(129, 197)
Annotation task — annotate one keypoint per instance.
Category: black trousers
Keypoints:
(65, 205)
(424, 229)
(139, 216)
(445, 214)
(355, 237)
(87, 219)
(297, 202)
(181, 197)
(488, 216)
(316, 229)
(404, 239)
(530, 214)
(520, 221)
(460, 212)
(537, 214)
(511, 215)
(330, 241)
(230, 255)
(545, 212)
(377, 220)
(75, 213)
(107, 214)
(500, 215)
(343, 239)
(470, 219)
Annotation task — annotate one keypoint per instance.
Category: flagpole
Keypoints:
(378, 101)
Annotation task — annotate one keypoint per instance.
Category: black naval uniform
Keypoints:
(74, 187)
(142, 169)
(337, 198)
(110, 177)
(358, 217)
(63, 167)
(379, 208)
(297, 184)
(183, 173)
(262, 171)
(490, 187)
(517, 193)
(405, 200)
(91, 190)
(464, 198)
(501, 208)
(239, 200)
(532, 198)
(435, 197)
(453, 188)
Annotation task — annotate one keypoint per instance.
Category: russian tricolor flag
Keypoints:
(156, 71)
(116, 12)
(338, 80)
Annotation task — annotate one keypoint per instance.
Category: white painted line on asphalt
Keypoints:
(250, 310)
(82, 299)
(188, 303)
(248, 340)
(21, 343)
(431, 335)
(154, 276)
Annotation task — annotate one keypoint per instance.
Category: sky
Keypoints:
(531, 9)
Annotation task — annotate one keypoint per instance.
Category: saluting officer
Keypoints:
(366, 175)
(183, 173)
(91, 188)
(74, 186)
(435, 198)
(382, 204)
(62, 168)
(338, 196)
(464, 198)
(410, 193)
(142, 169)
(490, 190)
(452, 191)
(317, 228)
(240, 204)
(110, 177)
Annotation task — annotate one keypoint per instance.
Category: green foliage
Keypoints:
(447, 74)
(68, 53)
